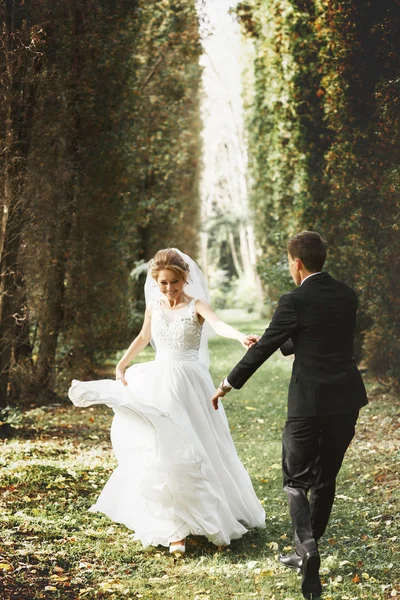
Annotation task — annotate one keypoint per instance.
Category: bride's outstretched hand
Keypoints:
(250, 340)
(120, 375)
(244, 343)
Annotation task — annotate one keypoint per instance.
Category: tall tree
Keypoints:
(99, 169)
(20, 56)
(325, 147)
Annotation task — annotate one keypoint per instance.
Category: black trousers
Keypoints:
(312, 454)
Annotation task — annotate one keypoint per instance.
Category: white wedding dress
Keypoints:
(178, 471)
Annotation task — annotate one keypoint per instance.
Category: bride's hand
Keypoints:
(120, 375)
(243, 341)
(251, 339)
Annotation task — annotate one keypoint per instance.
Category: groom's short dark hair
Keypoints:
(310, 248)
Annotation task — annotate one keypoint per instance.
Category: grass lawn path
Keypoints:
(52, 471)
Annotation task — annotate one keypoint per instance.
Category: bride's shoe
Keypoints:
(177, 547)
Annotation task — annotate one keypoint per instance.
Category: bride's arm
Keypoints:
(220, 328)
(139, 343)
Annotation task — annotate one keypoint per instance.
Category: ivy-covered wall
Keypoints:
(325, 147)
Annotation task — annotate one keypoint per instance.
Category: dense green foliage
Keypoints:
(61, 458)
(100, 129)
(325, 148)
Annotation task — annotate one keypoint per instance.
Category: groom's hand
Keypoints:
(218, 394)
(251, 339)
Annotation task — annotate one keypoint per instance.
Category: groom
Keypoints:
(316, 322)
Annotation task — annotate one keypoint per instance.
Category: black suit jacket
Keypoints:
(317, 322)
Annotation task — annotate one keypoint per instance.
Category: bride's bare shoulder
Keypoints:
(201, 303)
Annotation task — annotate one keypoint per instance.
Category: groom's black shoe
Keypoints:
(311, 584)
(292, 560)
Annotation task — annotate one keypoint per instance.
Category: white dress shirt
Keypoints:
(308, 276)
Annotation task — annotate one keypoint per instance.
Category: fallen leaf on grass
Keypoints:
(59, 569)
(85, 565)
(110, 585)
(266, 573)
(273, 545)
(85, 591)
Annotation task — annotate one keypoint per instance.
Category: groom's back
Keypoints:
(317, 322)
(326, 311)
(325, 377)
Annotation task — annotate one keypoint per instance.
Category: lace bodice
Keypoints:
(175, 329)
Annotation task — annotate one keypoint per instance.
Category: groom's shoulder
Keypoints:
(287, 297)
(342, 285)
(323, 283)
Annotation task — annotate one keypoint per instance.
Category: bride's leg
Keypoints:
(177, 547)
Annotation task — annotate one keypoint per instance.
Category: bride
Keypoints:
(178, 471)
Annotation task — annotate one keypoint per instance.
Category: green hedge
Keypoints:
(101, 125)
(324, 139)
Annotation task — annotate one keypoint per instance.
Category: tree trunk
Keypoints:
(23, 346)
(8, 290)
(253, 259)
(244, 253)
(204, 253)
(19, 98)
(51, 318)
(235, 257)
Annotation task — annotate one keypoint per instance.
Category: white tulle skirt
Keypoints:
(178, 471)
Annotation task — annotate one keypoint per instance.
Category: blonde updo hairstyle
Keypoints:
(169, 259)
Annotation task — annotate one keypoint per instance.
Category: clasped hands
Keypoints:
(250, 340)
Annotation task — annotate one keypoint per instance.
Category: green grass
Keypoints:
(51, 547)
